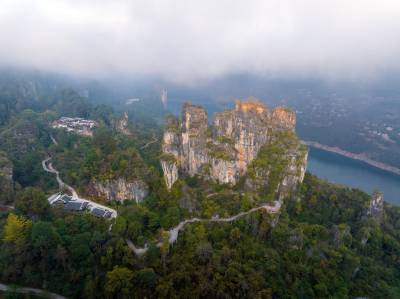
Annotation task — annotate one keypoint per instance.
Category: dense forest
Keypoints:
(322, 244)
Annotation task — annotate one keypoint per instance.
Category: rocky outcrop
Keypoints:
(341, 235)
(121, 125)
(119, 189)
(170, 172)
(375, 207)
(6, 180)
(224, 151)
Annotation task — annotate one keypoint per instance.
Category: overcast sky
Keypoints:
(191, 40)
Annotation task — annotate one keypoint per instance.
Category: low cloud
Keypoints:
(192, 40)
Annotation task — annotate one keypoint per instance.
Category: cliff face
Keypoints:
(119, 189)
(121, 125)
(375, 208)
(225, 150)
(6, 181)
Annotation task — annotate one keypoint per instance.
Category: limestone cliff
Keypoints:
(375, 207)
(119, 189)
(122, 125)
(224, 151)
(6, 181)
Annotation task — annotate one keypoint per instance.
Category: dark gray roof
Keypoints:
(98, 212)
(66, 197)
(71, 205)
(58, 201)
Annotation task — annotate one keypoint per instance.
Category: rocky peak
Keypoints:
(224, 151)
(375, 207)
(251, 104)
(194, 119)
(283, 118)
(121, 125)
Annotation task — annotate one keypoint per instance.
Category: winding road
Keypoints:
(25, 290)
(174, 232)
(154, 139)
(47, 166)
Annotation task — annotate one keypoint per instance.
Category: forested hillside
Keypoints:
(321, 246)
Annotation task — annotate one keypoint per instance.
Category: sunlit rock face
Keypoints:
(246, 127)
(170, 172)
(223, 151)
(172, 150)
(194, 138)
(283, 119)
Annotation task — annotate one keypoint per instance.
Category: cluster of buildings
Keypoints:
(74, 204)
(131, 101)
(77, 125)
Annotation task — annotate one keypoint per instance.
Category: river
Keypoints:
(346, 171)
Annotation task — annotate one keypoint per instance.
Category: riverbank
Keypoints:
(359, 157)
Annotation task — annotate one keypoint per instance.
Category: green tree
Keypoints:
(146, 280)
(119, 227)
(119, 283)
(44, 238)
(33, 202)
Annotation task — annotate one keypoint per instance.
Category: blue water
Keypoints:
(346, 171)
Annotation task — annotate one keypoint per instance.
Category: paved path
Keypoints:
(53, 139)
(150, 142)
(6, 207)
(174, 232)
(47, 166)
(25, 290)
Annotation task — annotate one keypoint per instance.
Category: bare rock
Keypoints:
(224, 151)
(375, 207)
(119, 189)
(121, 125)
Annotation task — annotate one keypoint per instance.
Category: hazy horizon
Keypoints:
(188, 41)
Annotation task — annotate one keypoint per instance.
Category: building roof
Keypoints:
(98, 212)
(72, 205)
(66, 198)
